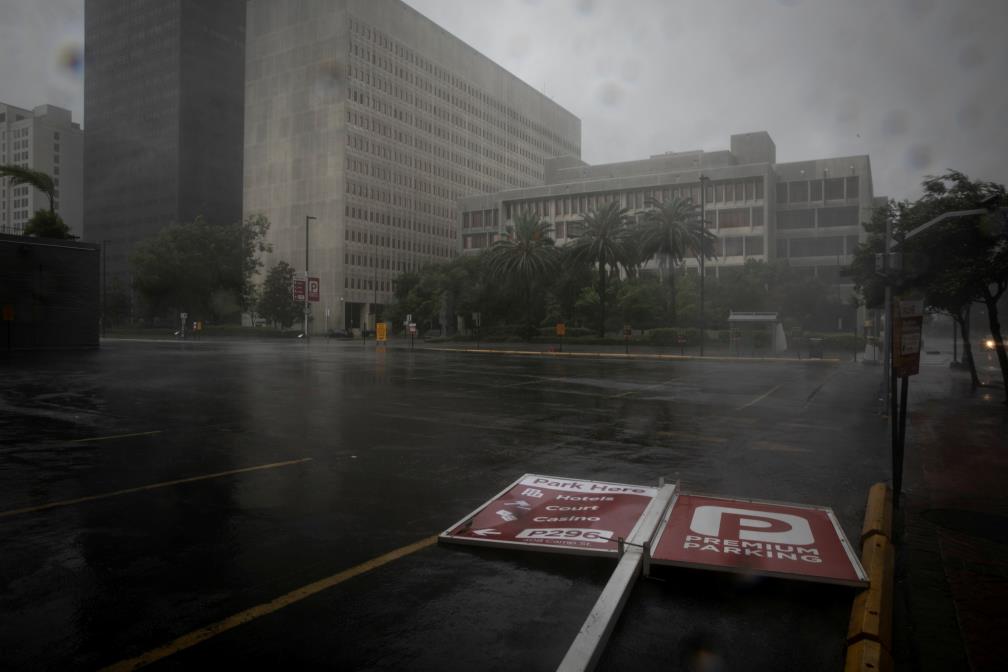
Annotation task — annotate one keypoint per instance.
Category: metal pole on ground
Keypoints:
(703, 230)
(306, 220)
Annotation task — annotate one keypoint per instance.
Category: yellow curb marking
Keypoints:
(117, 436)
(153, 486)
(196, 636)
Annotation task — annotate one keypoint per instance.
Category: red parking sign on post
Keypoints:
(748, 536)
(298, 290)
(558, 514)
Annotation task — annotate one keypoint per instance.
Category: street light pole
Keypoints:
(306, 220)
(703, 253)
(104, 283)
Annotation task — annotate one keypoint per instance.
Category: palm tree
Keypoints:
(604, 241)
(526, 254)
(666, 232)
(36, 178)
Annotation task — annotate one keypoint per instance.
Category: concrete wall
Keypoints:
(53, 288)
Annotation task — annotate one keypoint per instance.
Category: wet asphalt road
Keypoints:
(402, 445)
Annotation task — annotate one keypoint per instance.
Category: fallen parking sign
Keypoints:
(766, 538)
(550, 513)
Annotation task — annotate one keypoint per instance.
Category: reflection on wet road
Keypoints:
(162, 488)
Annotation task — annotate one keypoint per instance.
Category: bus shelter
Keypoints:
(755, 333)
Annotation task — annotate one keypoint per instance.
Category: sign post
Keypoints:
(476, 327)
(183, 317)
(908, 321)
(561, 331)
(412, 333)
(626, 337)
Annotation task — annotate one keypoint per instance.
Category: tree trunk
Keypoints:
(672, 298)
(995, 325)
(967, 350)
(601, 278)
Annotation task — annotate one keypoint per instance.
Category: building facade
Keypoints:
(370, 118)
(807, 212)
(163, 112)
(48, 140)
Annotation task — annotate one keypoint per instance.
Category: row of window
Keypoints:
(404, 59)
(825, 246)
(817, 218)
(827, 189)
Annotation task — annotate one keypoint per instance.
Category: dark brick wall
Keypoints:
(54, 288)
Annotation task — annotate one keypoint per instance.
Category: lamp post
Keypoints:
(306, 220)
(104, 282)
(703, 252)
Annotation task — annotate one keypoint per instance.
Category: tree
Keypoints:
(47, 224)
(276, 303)
(954, 263)
(525, 255)
(604, 241)
(666, 232)
(200, 267)
(35, 178)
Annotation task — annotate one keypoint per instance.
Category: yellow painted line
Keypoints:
(196, 636)
(117, 436)
(760, 398)
(152, 486)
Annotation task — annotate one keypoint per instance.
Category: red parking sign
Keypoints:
(768, 538)
(298, 290)
(553, 513)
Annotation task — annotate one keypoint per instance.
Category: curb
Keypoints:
(869, 633)
(644, 356)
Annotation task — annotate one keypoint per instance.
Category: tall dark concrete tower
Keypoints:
(163, 117)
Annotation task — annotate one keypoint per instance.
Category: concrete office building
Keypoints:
(807, 212)
(163, 110)
(46, 139)
(371, 118)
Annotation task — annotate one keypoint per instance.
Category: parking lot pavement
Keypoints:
(176, 502)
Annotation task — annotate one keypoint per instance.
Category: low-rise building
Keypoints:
(807, 212)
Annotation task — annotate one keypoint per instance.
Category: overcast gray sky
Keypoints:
(916, 84)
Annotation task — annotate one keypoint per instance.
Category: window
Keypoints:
(798, 192)
(782, 192)
(757, 217)
(830, 217)
(852, 186)
(734, 218)
(834, 188)
(753, 245)
(733, 246)
(816, 190)
(817, 247)
(748, 191)
(795, 219)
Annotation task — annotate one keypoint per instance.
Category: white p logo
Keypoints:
(747, 525)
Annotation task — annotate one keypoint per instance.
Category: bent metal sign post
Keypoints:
(550, 513)
(766, 538)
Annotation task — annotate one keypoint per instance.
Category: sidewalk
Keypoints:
(951, 600)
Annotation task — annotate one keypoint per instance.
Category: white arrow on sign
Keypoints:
(485, 531)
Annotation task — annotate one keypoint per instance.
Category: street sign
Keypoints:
(561, 329)
(908, 321)
(184, 316)
(627, 332)
(555, 514)
(298, 290)
(8, 312)
(476, 319)
(381, 331)
(754, 537)
(313, 289)
(412, 328)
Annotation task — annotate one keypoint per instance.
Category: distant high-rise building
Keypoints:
(47, 140)
(163, 109)
(374, 120)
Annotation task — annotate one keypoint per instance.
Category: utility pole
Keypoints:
(703, 252)
(306, 220)
(104, 284)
